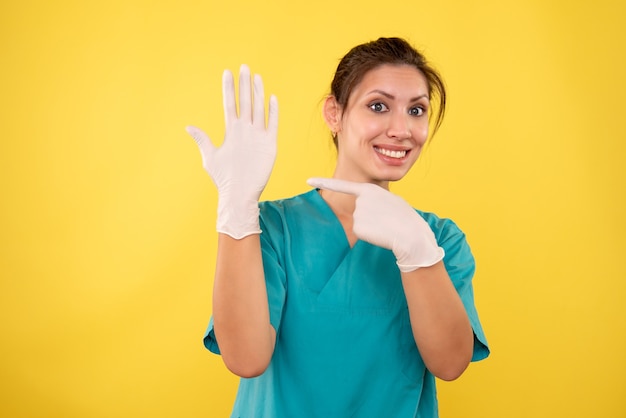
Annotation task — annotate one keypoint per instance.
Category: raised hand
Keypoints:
(384, 219)
(241, 167)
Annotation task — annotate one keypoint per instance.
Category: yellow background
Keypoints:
(107, 218)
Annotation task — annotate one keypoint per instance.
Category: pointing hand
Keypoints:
(384, 219)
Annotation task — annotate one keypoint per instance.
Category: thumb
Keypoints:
(202, 139)
(336, 185)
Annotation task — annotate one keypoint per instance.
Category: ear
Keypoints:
(332, 114)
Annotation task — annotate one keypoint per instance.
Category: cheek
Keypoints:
(369, 127)
(362, 124)
(420, 133)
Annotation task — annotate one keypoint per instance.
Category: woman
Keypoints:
(343, 301)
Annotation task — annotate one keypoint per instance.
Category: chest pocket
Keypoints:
(366, 281)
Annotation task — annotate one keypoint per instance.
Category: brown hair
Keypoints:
(396, 51)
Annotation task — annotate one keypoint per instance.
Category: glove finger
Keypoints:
(258, 115)
(272, 119)
(203, 141)
(245, 99)
(336, 185)
(228, 97)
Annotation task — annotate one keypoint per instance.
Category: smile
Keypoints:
(390, 153)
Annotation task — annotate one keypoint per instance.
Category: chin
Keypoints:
(392, 176)
(393, 179)
(388, 173)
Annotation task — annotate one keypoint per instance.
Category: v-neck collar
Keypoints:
(327, 211)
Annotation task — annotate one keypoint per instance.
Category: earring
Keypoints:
(334, 134)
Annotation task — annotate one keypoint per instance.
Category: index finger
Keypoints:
(336, 185)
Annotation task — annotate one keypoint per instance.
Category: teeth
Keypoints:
(389, 153)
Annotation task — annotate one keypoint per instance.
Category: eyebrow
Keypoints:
(392, 97)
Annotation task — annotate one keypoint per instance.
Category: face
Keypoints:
(383, 127)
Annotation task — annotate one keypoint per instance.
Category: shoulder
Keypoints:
(280, 208)
(277, 216)
(443, 228)
(281, 204)
(458, 259)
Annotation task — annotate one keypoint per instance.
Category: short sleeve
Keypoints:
(274, 239)
(272, 248)
(210, 342)
(460, 264)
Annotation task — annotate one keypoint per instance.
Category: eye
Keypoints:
(416, 111)
(378, 107)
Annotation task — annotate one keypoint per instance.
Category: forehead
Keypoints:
(394, 77)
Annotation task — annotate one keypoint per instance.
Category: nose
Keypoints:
(399, 126)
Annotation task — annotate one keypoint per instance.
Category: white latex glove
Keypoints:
(386, 220)
(241, 167)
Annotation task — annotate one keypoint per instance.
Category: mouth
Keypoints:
(397, 154)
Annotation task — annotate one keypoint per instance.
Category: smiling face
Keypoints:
(383, 127)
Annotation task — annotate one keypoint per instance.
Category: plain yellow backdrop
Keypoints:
(107, 219)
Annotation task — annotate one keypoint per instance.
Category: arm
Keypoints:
(240, 308)
(240, 169)
(441, 328)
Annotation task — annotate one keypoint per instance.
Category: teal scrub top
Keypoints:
(344, 345)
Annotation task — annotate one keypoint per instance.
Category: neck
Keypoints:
(354, 176)
(340, 203)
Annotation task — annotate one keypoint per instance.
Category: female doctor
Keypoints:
(343, 301)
